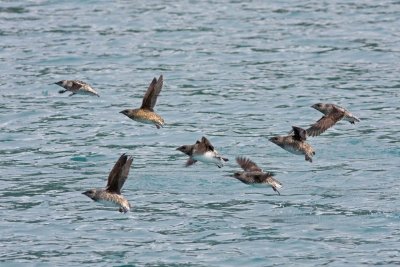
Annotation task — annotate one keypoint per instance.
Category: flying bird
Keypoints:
(146, 114)
(202, 151)
(76, 87)
(295, 143)
(253, 174)
(327, 121)
(111, 195)
(327, 108)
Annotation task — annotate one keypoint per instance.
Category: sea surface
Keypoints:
(237, 72)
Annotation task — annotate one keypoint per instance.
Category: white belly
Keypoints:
(209, 157)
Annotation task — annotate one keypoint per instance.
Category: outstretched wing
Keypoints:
(326, 122)
(124, 173)
(248, 165)
(113, 177)
(150, 98)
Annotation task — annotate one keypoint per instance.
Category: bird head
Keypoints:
(90, 193)
(125, 112)
(276, 140)
(318, 106)
(60, 83)
(185, 149)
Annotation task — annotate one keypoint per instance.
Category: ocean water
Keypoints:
(238, 72)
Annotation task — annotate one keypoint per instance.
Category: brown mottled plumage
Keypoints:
(253, 174)
(76, 87)
(145, 113)
(116, 179)
(295, 143)
(327, 108)
(326, 122)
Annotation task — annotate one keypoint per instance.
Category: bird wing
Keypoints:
(299, 133)
(326, 122)
(203, 146)
(115, 174)
(207, 143)
(150, 98)
(248, 165)
(77, 85)
(80, 83)
(244, 178)
(190, 162)
(124, 173)
(254, 177)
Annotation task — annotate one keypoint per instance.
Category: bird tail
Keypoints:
(353, 120)
(275, 184)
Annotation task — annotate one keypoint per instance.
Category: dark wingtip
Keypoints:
(225, 159)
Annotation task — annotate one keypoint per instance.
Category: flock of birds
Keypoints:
(203, 150)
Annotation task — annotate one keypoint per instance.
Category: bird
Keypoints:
(295, 143)
(111, 195)
(146, 114)
(327, 108)
(332, 115)
(202, 151)
(76, 87)
(253, 174)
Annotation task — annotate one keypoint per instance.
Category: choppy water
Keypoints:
(238, 72)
